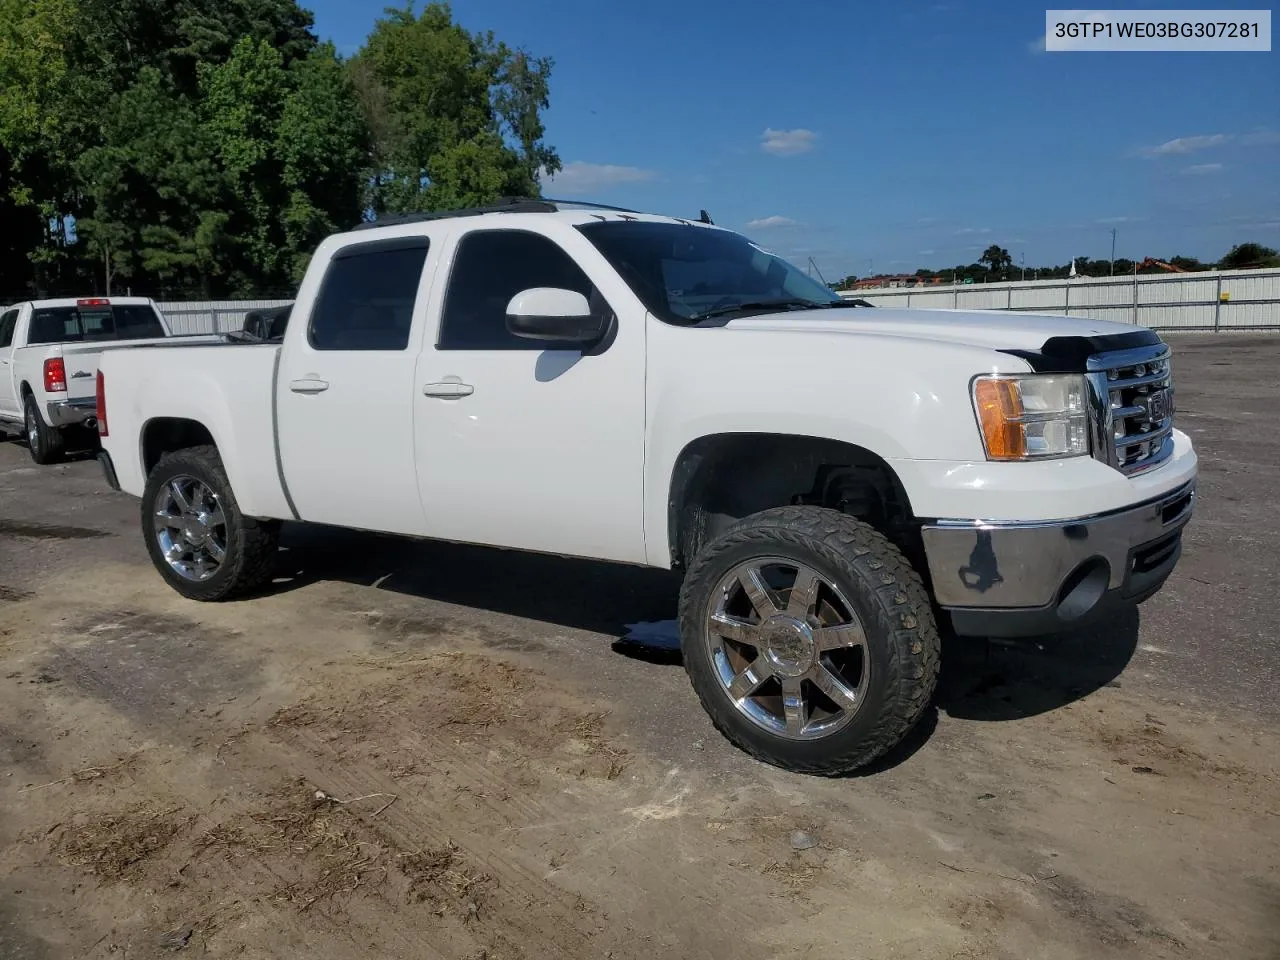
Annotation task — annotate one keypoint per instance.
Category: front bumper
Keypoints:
(1030, 578)
(70, 413)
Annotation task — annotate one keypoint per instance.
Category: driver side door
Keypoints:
(518, 444)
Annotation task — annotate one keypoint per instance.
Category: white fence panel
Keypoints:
(1212, 300)
(212, 316)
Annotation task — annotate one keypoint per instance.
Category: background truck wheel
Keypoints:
(809, 639)
(44, 441)
(197, 537)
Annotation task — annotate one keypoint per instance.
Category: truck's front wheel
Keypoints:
(809, 639)
(198, 538)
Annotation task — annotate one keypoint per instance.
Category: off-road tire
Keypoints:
(48, 445)
(251, 543)
(890, 599)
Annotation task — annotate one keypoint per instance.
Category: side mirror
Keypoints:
(551, 313)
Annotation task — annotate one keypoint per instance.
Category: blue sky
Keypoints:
(897, 134)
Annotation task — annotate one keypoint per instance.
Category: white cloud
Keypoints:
(787, 143)
(967, 230)
(926, 253)
(1114, 220)
(764, 223)
(1181, 145)
(1037, 45)
(1201, 168)
(582, 177)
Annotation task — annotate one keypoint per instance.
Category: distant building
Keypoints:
(903, 280)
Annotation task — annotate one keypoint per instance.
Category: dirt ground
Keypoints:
(414, 750)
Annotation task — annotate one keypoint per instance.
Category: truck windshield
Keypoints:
(97, 322)
(685, 274)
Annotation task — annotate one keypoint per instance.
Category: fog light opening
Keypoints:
(1082, 590)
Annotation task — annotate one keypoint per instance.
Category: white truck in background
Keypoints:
(49, 351)
(836, 481)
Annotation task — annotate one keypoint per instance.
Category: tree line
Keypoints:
(996, 264)
(205, 147)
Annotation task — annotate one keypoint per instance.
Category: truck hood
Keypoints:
(993, 329)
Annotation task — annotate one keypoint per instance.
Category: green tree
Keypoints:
(997, 259)
(155, 189)
(1188, 263)
(524, 91)
(1244, 255)
(455, 118)
(323, 146)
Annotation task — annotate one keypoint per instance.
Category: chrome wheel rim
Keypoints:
(33, 429)
(788, 648)
(190, 528)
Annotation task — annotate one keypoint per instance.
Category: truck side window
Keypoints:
(366, 298)
(491, 267)
(8, 321)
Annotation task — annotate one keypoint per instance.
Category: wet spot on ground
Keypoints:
(49, 531)
(151, 667)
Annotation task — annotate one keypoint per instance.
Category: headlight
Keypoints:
(1032, 417)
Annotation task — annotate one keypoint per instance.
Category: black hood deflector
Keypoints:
(1070, 354)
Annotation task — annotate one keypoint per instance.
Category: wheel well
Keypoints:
(720, 479)
(25, 390)
(166, 434)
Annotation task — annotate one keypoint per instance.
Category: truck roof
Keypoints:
(567, 211)
(84, 302)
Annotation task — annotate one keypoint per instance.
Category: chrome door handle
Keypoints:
(309, 385)
(448, 389)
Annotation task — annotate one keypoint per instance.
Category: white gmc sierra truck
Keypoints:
(49, 352)
(835, 481)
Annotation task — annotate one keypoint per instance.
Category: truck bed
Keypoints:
(230, 391)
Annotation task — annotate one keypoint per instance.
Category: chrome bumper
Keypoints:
(68, 413)
(1015, 579)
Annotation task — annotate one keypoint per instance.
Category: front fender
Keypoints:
(897, 397)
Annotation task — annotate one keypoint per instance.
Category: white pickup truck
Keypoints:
(49, 352)
(835, 481)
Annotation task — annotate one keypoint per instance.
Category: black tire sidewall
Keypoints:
(857, 743)
(191, 464)
(48, 441)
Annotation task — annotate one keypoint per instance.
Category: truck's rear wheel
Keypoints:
(44, 442)
(198, 538)
(809, 639)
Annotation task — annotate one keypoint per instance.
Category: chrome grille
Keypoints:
(1132, 399)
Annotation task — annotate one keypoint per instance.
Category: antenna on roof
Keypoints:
(704, 217)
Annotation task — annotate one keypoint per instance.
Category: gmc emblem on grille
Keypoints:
(1159, 406)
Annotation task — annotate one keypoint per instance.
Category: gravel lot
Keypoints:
(421, 750)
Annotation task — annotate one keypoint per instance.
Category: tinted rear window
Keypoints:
(79, 324)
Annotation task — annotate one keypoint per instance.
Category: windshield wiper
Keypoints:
(848, 302)
(781, 304)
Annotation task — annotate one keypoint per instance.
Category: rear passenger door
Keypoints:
(8, 394)
(345, 388)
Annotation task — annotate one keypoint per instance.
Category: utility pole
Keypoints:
(1022, 259)
(1113, 251)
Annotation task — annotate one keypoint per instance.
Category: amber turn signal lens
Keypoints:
(999, 405)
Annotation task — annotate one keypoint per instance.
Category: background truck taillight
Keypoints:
(102, 405)
(55, 375)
